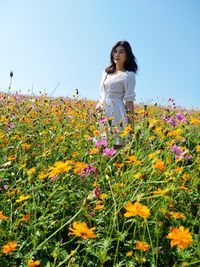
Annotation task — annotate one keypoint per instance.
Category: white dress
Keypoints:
(114, 90)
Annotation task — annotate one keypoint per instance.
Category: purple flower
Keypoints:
(177, 150)
(90, 169)
(109, 151)
(180, 117)
(96, 192)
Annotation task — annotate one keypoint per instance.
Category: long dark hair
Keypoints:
(130, 63)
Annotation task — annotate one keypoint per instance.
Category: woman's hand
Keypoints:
(99, 106)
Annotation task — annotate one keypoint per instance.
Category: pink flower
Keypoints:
(109, 151)
(102, 142)
(102, 120)
(187, 157)
(177, 150)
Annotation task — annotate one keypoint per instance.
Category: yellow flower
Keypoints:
(161, 191)
(25, 146)
(178, 215)
(9, 247)
(131, 159)
(23, 198)
(126, 130)
(194, 121)
(136, 209)
(3, 217)
(103, 196)
(59, 167)
(81, 230)
(32, 263)
(159, 165)
(94, 150)
(180, 237)
(31, 170)
(99, 207)
(186, 176)
(142, 246)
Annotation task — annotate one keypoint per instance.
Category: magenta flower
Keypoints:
(102, 142)
(109, 151)
(102, 120)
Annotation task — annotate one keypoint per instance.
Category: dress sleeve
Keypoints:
(101, 87)
(129, 85)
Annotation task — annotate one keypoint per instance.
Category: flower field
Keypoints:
(68, 198)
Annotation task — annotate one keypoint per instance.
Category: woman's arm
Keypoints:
(129, 106)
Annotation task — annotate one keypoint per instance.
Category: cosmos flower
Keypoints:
(9, 247)
(136, 209)
(142, 246)
(180, 237)
(177, 150)
(109, 151)
(80, 229)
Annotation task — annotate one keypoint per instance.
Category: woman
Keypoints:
(117, 86)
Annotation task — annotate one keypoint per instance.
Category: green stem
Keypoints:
(39, 246)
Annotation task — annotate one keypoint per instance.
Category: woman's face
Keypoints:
(119, 55)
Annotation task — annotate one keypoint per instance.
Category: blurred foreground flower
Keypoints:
(180, 237)
(136, 209)
(81, 230)
(9, 247)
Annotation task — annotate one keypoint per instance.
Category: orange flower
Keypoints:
(136, 209)
(9, 247)
(81, 230)
(180, 237)
(26, 217)
(32, 263)
(142, 246)
(184, 187)
(159, 165)
(129, 253)
(3, 217)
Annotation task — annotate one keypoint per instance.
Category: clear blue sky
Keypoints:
(68, 42)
